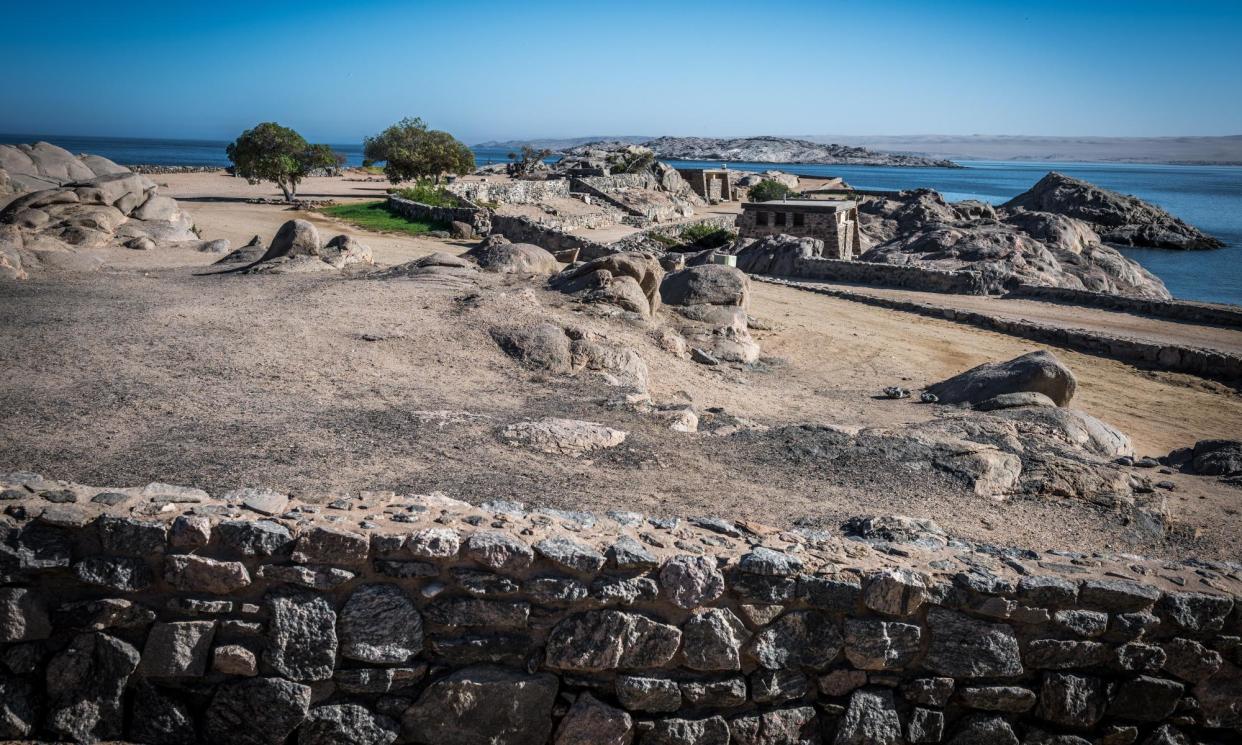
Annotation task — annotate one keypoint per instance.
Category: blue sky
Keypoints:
(337, 71)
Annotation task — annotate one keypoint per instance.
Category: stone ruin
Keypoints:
(162, 614)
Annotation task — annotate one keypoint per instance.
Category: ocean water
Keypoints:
(1208, 197)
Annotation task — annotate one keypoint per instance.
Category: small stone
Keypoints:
(158, 716)
(895, 592)
(1047, 591)
(301, 635)
(124, 536)
(85, 685)
(262, 501)
(434, 543)
(715, 694)
(1082, 622)
(925, 725)
(18, 717)
(177, 650)
(709, 731)
(591, 722)
(1190, 660)
(1118, 595)
(984, 729)
(1196, 611)
(485, 705)
(571, 554)
(691, 581)
(259, 711)
(405, 569)
(23, 616)
(380, 624)
(842, 682)
(761, 615)
(234, 659)
(109, 498)
(777, 686)
(1009, 699)
(1146, 699)
(114, 573)
(65, 516)
(881, 645)
(624, 590)
(929, 691)
(713, 639)
(555, 590)
(499, 551)
(191, 573)
(310, 577)
(871, 719)
(60, 496)
(962, 647)
(840, 594)
(799, 639)
(346, 723)
(172, 493)
(1135, 656)
(330, 546)
(478, 612)
(1072, 700)
(190, 532)
(628, 554)
(254, 538)
(610, 639)
(765, 561)
(638, 693)
(1054, 654)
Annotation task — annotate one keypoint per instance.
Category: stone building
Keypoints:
(713, 184)
(835, 222)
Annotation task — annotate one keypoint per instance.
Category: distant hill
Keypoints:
(1223, 150)
(765, 150)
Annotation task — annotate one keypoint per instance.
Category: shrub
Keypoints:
(409, 151)
(768, 190)
(376, 216)
(705, 235)
(270, 152)
(426, 192)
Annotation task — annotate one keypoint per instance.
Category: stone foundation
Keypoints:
(894, 275)
(160, 614)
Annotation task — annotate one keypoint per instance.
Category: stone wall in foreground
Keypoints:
(163, 615)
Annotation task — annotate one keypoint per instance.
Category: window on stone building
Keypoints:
(761, 218)
(799, 219)
(780, 218)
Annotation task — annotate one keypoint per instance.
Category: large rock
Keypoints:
(513, 258)
(1072, 700)
(776, 254)
(881, 645)
(1039, 372)
(23, 615)
(1118, 218)
(261, 711)
(177, 650)
(158, 716)
(1216, 458)
(691, 581)
(483, 706)
(85, 683)
(294, 238)
(709, 284)
(617, 279)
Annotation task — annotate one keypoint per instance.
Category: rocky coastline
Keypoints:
(773, 150)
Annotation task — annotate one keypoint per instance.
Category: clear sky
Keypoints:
(490, 70)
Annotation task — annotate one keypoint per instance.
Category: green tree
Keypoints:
(768, 190)
(270, 152)
(411, 151)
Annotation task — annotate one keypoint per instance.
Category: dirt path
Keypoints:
(1069, 316)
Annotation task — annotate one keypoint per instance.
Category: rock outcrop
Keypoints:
(497, 254)
(1005, 246)
(769, 150)
(1118, 218)
(710, 302)
(297, 249)
(68, 205)
(630, 281)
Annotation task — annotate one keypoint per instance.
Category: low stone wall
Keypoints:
(893, 275)
(526, 230)
(478, 218)
(511, 192)
(1207, 363)
(1177, 310)
(162, 615)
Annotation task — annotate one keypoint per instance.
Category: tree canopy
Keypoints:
(768, 190)
(270, 152)
(411, 151)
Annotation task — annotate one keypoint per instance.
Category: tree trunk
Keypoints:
(287, 191)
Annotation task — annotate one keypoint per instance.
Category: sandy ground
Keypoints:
(148, 372)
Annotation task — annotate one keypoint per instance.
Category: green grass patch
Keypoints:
(426, 193)
(377, 217)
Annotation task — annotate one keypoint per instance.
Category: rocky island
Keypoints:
(773, 150)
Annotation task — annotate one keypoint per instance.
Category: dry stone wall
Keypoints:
(160, 614)
(893, 275)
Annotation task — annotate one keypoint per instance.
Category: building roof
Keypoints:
(826, 205)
